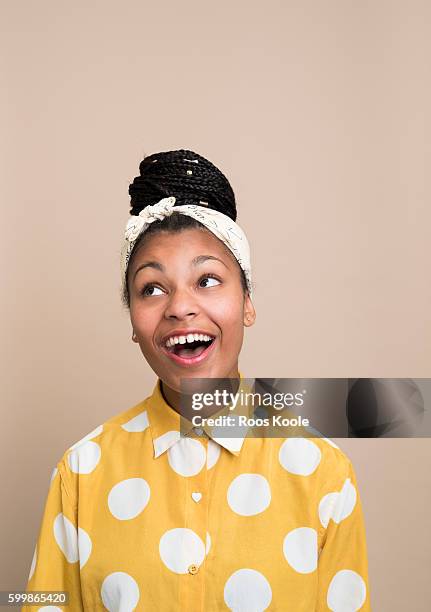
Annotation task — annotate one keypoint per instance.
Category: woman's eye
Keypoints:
(209, 278)
(148, 288)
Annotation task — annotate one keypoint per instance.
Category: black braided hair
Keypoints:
(192, 179)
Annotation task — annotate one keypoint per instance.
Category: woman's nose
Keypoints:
(181, 304)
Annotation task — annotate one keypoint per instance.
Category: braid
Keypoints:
(186, 175)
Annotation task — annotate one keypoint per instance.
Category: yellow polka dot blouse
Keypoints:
(138, 517)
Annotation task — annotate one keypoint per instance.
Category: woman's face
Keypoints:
(187, 282)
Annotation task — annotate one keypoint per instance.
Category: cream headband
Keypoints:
(222, 226)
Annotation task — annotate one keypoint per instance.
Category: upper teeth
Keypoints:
(189, 338)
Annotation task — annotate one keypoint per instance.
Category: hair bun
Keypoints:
(189, 177)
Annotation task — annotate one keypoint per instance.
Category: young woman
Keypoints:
(141, 517)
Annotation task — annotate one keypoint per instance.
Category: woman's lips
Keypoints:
(189, 361)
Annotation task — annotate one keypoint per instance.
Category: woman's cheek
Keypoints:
(146, 321)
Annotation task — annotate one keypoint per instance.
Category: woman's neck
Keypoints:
(182, 403)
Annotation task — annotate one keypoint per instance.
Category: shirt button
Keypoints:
(193, 569)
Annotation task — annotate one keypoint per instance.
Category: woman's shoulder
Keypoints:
(84, 455)
(332, 453)
(335, 465)
(315, 455)
(131, 419)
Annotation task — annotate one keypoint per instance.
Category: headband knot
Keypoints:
(222, 226)
(156, 212)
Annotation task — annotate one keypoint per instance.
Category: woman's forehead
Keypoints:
(186, 244)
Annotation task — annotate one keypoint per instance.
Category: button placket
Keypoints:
(192, 594)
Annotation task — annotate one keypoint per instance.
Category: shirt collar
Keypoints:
(164, 424)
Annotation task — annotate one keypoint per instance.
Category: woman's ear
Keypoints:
(249, 312)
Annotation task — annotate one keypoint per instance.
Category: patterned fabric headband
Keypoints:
(222, 226)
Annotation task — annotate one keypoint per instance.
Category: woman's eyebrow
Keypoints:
(195, 262)
(202, 258)
(149, 264)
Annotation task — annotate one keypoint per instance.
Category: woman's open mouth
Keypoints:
(190, 349)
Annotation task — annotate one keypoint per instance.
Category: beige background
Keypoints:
(318, 112)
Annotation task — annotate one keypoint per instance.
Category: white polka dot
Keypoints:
(138, 423)
(247, 590)
(249, 494)
(89, 436)
(187, 457)
(33, 563)
(66, 536)
(128, 498)
(300, 549)
(84, 547)
(347, 592)
(346, 501)
(213, 453)
(338, 505)
(208, 543)
(326, 508)
(50, 608)
(53, 475)
(84, 458)
(299, 456)
(120, 592)
(180, 548)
